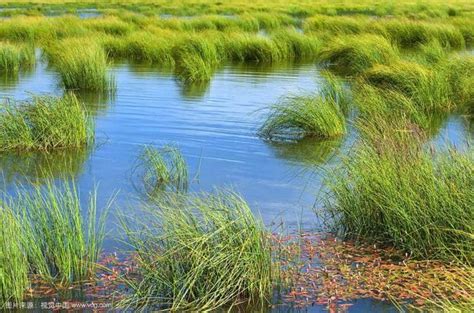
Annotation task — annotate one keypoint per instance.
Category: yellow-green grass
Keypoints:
(316, 115)
(59, 243)
(82, 64)
(352, 54)
(14, 57)
(14, 267)
(198, 252)
(427, 88)
(45, 123)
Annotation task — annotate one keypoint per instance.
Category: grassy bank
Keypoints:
(45, 123)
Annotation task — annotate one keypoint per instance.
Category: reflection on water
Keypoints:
(95, 102)
(36, 166)
(308, 151)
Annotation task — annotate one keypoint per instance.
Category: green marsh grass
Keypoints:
(427, 88)
(396, 192)
(14, 267)
(45, 123)
(317, 115)
(196, 58)
(203, 251)
(162, 169)
(82, 64)
(14, 57)
(296, 46)
(409, 34)
(353, 54)
(61, 245)
(149, 47)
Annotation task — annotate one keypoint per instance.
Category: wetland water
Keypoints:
(214, 125)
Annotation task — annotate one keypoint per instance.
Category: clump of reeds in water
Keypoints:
(62, 245)
(352, 54)
(14, 267)
(198, 252)
(317, 115)
(45, 123)
(196, 59)
(162, 169)
(14, 57)
(394, 191)
(47, 235)
(82, 64)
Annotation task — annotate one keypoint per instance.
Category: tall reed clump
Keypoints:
(296, 46)
(45, 123)
(196, 58)
(458, 73)
(199, 252)
(162, 169)
(14, 266)
(427, 88)
(318, 115)
(82, 64)
(61, 245)
(14, 57)
(399, 193)
(242, 47)
(353, 54)
(409, 34)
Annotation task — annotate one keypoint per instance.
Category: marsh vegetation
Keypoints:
(388, 77)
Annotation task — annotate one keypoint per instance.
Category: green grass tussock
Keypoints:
(14, 57)
(154, 48)
(196, 58)
(44, 123)
(62, 246)
(409, 34)
(427, 88)
(406, 196)
(335, 25)
(162, 169)
(43, 233)
(296, 46)
(251, 48)
(321, 115)
(353, 54)
(200, 252)
(82, 64)
(14, 267)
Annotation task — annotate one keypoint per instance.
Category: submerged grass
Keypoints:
(14, 57)
(399, 193)
(200, 252)
(321, 115)
(44, 123)
(163, 169)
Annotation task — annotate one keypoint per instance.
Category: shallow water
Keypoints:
(213, 124)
